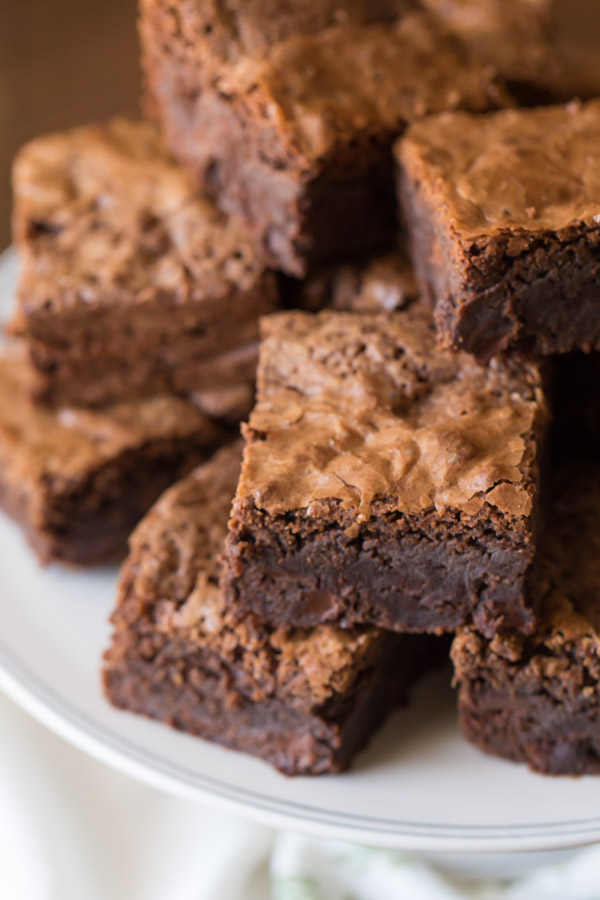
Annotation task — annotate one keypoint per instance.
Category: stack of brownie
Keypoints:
(399, 192)
(125, 372)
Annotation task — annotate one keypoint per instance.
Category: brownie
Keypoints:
(385, 482)
(504, 218)
(295, 135)
(516, 37)
(79, 480)
(131, 283)
(536, 699)
(305, 701)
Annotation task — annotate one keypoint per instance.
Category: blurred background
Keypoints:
(64, 62)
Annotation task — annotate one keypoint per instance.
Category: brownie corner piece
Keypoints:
(303, 701)
(503, 218)
(384, 481)
(297, 137)
(130, 279)
(535, 698)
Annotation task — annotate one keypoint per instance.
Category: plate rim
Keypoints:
(109, 747)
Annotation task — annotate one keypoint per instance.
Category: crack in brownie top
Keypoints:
(348, 81)
(105, 207)
(518, 171)
(366, 408)
(66, 443)
(174, 558)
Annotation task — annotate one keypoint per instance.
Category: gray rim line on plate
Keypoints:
(87, 726)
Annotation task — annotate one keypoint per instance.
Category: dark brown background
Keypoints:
(64, 62)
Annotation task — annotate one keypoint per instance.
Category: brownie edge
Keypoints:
(503, 217)
(536, 699)
(78, 481)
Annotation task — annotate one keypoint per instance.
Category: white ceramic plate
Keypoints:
(418, 786)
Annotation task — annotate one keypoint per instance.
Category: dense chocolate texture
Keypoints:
(304, 701)
(385, 482)
(537, 699)
(131, 284)
(516, 37)
(504, 218)
(295, 135)
(78, 481)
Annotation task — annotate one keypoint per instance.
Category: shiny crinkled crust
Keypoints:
(104, 213)
(365, 409)
(516, 171)
(503, 218)
(348, 82)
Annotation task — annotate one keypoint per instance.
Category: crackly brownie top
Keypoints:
(103, 214)
(569, 583)
(350, 82)
(37, 444)
(515, 36)
(366, 408)
(519, 171)
(383, 284)
(173, 571)
(248, 27)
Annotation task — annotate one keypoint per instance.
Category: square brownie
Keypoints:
(296, 135)
(384, 481)
(305, 701)
(516, 37)
(504, 218)
(131, 283)
(79, 480)
(536, 699)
